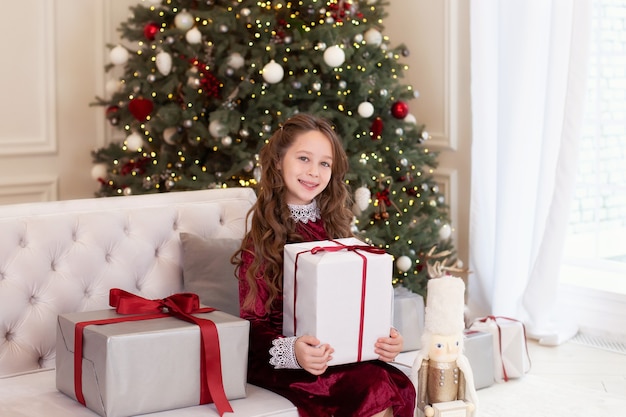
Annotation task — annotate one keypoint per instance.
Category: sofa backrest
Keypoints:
(65, 256)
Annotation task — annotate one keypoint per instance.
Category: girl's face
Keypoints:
(307, 167)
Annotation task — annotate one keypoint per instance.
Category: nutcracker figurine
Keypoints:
(443, 376)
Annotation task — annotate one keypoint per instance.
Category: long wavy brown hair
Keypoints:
(270, 220)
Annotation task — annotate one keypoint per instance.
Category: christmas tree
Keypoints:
(205, 83)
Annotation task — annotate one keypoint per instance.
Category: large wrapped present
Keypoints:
(151, 355)
(408, 317)
(478, 348)
(339, 291)
(510, 351)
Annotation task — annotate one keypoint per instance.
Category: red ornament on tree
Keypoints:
(140, 108)
(377, 128)
(111, 111)
(150, 31)
(399, 109)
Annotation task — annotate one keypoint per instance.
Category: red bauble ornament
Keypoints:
(399, 109)
(140, 108)
(111, 111)
(377, 128)
(150, 30)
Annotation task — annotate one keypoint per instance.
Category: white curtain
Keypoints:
(528, 72)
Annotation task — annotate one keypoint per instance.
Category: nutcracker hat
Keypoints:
(445, 303)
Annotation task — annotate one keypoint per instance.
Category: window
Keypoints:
(595, 249)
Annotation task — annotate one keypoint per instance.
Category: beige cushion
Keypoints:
(207, 271)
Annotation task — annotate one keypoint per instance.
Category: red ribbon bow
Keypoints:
(341, 247)
(383, 196)
(180, 306)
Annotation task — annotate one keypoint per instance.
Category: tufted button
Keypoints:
(8, 336)
(23, 243)
(175, 225)
(108, 257)
(33, 299)
(156, 252)
(87, 293)
(53, 265)
(222, 220)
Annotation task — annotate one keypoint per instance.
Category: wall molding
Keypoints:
(447, 138)
(46, 142)
(448, 182)
(30, 189)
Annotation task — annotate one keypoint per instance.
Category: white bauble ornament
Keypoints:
(362, 197)
(119, 55)
(409, 118)
(445, 232)
(404, 263)
(227, 141)
(273, 72)
(134, 141)
(216, 129)
(193, 36)
(99, 171)
(168, 135)
(366, 109)
(164, 63)
(113, 86)
(184, 20)
(373, 37)
(334, 56)
(235, 60)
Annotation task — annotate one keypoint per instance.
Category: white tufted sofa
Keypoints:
(58, 257)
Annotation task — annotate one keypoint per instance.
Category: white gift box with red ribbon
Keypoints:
(510, 351)
(339, 291)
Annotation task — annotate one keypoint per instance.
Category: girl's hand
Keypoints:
(388, 348)
(312, 356)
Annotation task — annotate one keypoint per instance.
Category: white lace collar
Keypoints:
(305, 212)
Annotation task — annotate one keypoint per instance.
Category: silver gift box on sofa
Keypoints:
(137, 367)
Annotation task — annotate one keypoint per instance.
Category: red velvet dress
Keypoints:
(352, 390)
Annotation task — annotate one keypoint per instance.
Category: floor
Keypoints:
(569, 380)
(585, 365)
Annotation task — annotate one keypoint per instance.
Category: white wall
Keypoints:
(53, 67)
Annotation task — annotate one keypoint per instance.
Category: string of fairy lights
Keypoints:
(155, 156)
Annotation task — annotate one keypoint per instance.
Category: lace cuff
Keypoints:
(284, 353)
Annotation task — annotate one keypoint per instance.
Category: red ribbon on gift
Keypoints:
(181, 306)
(494, 319)
(341, 247)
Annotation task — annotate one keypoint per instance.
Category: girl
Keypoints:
(303, 197)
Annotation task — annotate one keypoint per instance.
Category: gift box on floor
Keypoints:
(478, 348)
(510, 351)
(148, 365)
(408, 317)
(339, 291)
